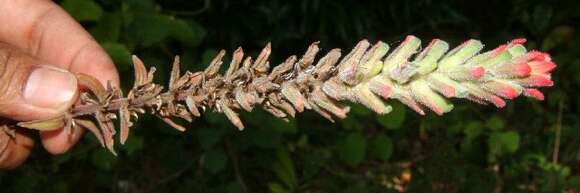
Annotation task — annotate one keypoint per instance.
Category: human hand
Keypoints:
(41, 46)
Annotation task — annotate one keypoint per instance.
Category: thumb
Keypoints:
(30, 89)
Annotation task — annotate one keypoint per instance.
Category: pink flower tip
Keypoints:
(542, 80)
(386, 91)
(518, 41)
(499, 50)
(498, 102)
(477, 72)
(537, 55)
(542, 67)
(534, 93)
(432, 43)
(509, 92)
(448, 91)
(522, 69)
(408, 38)
(435, 108)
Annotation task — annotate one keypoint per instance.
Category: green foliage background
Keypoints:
(472, 149)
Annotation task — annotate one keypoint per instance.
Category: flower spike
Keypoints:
(368, 75)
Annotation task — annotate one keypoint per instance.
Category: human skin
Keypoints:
(41, 47)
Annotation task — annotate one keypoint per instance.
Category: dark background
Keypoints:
(471, 149)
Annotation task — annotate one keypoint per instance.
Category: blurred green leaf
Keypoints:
(108, 28)
(559, 35)
(27, 183)
(234, 187)
(495, 123)
(352, 149)
(359, 110)
(189, 33)
(277, 188)
(541, 16)
(215, 161)
(382, 147)
(352, 123)
(62, 158)
(83, 10)
(149, 29)
(133, 145)
(208, 137)
(103, 159)
(574, 182)
(60, 187)
(394, 119)
(143, 6)
(472, 130)
(504, 142)
(120, 55)
(262, 138)
(284, 169)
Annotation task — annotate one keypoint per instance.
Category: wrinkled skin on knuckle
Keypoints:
(14, 70)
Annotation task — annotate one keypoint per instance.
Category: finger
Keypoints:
(48, 32)
(16, 151)
(30, 89)
(59, 141)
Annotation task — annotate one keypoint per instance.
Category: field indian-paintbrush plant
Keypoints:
(369, 75)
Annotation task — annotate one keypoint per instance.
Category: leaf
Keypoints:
(495, 123)
(83, 10)
(277, 188)
(208, 137)
(141, 6)
(284, 168)
(60, 187)
(382, 147)
(134, 145)
(108, 28)
(574, 181)
(472, 130)
(189, 33)
(103, 160)
(541, 16)
(504, 142)
(352, 149)
(395, 119)
(215, 161)
(119, 53)
(149, 29)
(511, 141)
(558, 36)
(45, 124)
